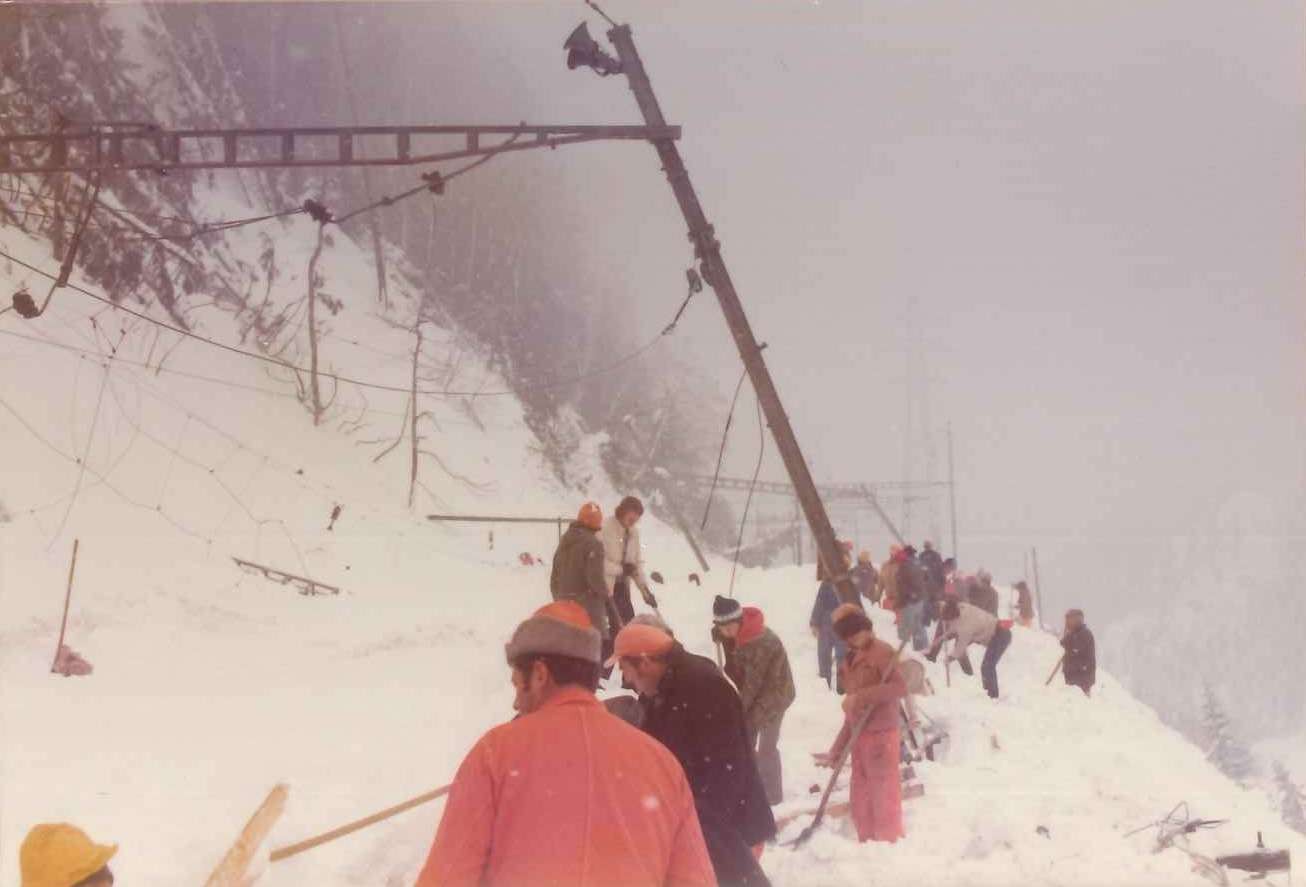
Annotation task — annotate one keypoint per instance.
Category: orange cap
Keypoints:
(639, 640)
(565, 611)
(591, 516)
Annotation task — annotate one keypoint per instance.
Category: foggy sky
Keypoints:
(1083, 223)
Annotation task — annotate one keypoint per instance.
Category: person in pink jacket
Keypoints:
(566, 793)
(872, 682)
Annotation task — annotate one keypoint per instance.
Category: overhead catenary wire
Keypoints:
(337, 377)
(90, 439)
(326, 491)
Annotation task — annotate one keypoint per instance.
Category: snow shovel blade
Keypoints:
(805, 835)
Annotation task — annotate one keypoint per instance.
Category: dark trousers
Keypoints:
(829, 653)
(765, 742)
(621, 598)
(989, 667)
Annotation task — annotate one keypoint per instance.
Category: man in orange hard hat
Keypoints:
(62, 855)
(578, 571)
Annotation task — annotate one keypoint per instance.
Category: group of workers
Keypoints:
(673, 785)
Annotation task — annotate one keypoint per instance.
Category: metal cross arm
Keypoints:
(94, 149)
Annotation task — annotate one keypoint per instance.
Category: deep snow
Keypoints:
(212, 685)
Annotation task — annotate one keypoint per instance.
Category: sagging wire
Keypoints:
(336, 377)
(752, 486)
(720, 456)
(90, 438)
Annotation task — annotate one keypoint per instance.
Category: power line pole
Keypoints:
(952, 491)
(1038, 588)
(909, 403)
(708, 252)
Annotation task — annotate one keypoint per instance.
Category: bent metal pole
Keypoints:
(708, 252)
(68, 597)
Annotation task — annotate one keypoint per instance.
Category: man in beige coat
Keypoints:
(623, 557)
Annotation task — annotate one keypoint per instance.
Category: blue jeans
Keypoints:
(828, 646)
(989, 667)
(911, 625)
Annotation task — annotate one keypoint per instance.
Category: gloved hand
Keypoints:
(648, 598)
(933, 655)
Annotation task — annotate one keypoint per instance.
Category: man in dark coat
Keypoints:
(692, 709)
(935, 578)
(1080, 664)
(910, 599)
(830, 649)
(866, 579)
(578, 570)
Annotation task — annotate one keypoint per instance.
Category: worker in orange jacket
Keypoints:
(566, 793)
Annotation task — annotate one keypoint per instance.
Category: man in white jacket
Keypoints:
(623, 560)
(968, 624)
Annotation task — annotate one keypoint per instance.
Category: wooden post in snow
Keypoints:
(1038, 590)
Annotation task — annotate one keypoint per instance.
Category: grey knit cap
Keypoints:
(560, 629)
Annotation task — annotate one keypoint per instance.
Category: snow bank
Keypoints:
(212, 685)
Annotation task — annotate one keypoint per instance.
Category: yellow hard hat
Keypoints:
(60, 855)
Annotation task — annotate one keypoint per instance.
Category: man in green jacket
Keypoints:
(766, 690)
(578, 571)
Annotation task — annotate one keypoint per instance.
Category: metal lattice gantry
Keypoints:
(145, 147)
(866, 494)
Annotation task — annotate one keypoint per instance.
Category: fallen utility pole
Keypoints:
(583, 50)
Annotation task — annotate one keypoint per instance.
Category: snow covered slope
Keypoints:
(211, 684)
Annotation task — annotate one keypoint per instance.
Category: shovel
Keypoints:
(1056, 668)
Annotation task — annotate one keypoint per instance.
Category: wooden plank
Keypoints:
(233, 870)
(295, 849)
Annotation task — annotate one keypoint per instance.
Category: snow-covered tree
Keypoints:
(1292, 799)
(1223, 748)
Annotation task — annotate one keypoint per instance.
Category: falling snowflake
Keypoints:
(651, 803)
